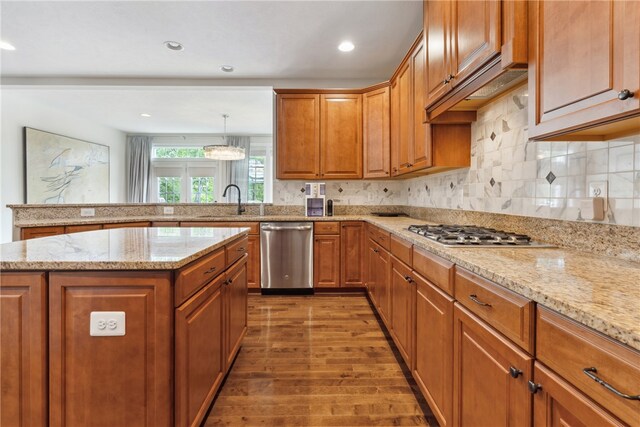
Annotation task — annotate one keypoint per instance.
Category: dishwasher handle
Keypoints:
(280, 228)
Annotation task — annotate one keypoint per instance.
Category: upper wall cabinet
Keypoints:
(468, 44)
(319, 136)
(375, 127)
(298, 136)
(584, 67)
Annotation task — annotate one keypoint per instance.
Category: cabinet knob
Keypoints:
(514, 372)
(533, 387)
(625, 94)
(408, 279)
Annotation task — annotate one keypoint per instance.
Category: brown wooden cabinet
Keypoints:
(371, 271)
(23, 359)
(402, 314)
(340, 136)
(375, 130)
(583, 55)
(79, 362)
(557, 404)
(35, 232)
(298, 136)
(199, 359)
(490, 375)
(421, 139)
(326, 261)
(433, 367)
(235, 298)
(319, 136)
(253, 262)
(127, 224)
(82, 227)
(437, 28)
(352, 238)
(402, 120)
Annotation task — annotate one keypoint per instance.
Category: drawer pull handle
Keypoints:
(408, 279)
(376, 251)
(211, 270)
(590, 372)
(230, 281)
(474, 298)
(514, 372)
(240, 249)
(533, 387)
(625, 94)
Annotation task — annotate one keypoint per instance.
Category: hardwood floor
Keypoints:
(317, 360)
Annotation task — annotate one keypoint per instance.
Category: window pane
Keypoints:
(169, 189)
(202, 189)
(256, 178)
(178, 152)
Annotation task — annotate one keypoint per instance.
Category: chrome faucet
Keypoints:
(224, 194)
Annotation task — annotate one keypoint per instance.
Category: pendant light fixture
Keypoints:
(224, 152)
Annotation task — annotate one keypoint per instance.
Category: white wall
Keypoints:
(20, 108)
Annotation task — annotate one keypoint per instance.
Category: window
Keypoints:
(169, 189)
(256, 179)
(202, 189)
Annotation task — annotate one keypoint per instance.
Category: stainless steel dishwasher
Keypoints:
(286, 250)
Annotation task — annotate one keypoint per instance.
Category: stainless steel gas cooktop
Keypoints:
(476, 237)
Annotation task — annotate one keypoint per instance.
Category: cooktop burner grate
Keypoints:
(472, 236)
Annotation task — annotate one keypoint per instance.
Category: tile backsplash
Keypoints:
(509, 174)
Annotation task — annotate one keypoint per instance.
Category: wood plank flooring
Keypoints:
(317, 361)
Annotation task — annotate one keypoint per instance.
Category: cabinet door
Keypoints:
(394, 126)
(404, 149)
(235, 298)
(375, 126)
(475, 35)
(35, 232)
(582, 54)
(558, 404)
(352, 253)
(199, 365)
(371, 268)
(383, 286)
(253, 263)
(298, 136)
(433, 369)
(326, 261)
(79, 362)
(437, 27)
(402, 299)
(483, 387)
(341, 136)
(23, 339)
(421, 132)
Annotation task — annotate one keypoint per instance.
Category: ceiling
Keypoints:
(173, 110)
(261, 39)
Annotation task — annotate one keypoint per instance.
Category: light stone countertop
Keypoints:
(117, 249)
(598, 291)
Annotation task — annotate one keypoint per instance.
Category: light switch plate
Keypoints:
(87, 212)
(107, 324)
(167, 210)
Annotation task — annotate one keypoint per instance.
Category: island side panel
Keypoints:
(23, 339)
(112, 380)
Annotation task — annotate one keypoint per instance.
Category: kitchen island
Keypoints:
(134, 326)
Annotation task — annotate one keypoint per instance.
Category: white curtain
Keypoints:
(239, 169)
(138, 157)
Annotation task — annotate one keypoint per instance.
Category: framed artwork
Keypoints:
(59, 169)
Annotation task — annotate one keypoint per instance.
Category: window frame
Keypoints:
(183, 168)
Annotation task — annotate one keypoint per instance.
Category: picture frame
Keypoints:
(61, 169)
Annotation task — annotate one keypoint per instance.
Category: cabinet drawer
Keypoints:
(326, 227)
(383, 238)
(34, 232)
(253, 227)
(235, 250)
(401, 249)
(437, 270)
(506, 311)
(127, 225)
(82, 227)
(192, 277)
(569, 348)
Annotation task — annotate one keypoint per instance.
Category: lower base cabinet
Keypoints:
(200, 360)
(326, 261)
(433, 368)
(23, 359)
(403, 301)
(490, 376)
(558, 404)
(235, 304)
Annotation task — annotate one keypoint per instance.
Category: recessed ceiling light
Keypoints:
(6, 46)
(145, 115)
(227, 68)
(346, 46)
(174, 45)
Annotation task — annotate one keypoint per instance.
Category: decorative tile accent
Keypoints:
(385, 190)
(451, 185)
(302, 190)
(340, 190)
(493, 136)
(492, 182)
(550, 177)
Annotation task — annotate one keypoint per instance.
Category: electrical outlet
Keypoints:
(168, 210)
(107, 324)
(87, 212)
(598, 189)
